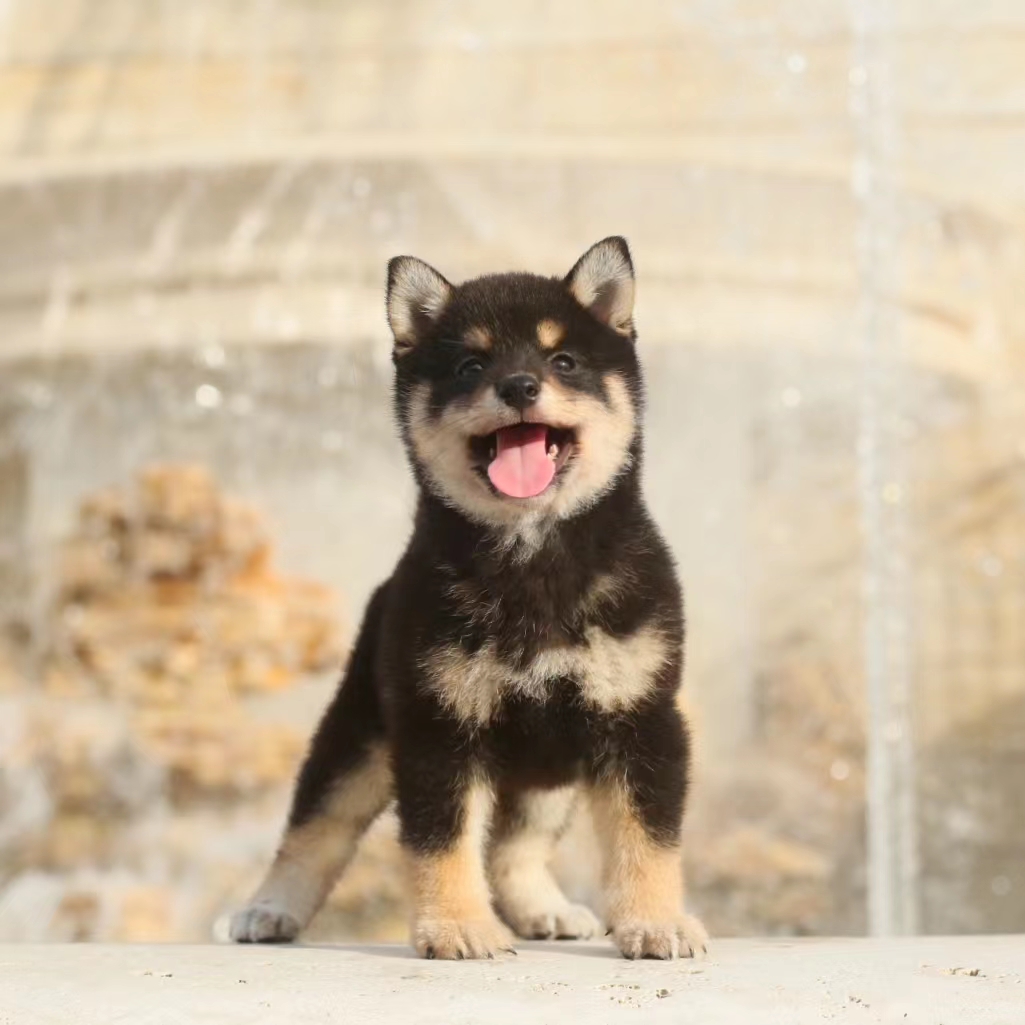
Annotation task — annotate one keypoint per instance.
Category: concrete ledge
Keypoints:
(934, 980)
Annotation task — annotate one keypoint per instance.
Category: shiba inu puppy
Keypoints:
(528, 647)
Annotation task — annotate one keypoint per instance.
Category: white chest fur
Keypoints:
(613, 673)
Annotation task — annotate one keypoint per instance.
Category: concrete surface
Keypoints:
(933, 980)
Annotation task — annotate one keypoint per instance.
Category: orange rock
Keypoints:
(77, 917)
(182, 497)
(104, 513)
(156, 553)
(172, 645)
(89, 565)
(145, 916)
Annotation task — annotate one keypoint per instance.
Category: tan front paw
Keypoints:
(683, 936)
(451, 939)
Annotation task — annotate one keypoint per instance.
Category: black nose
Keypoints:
(519, 390)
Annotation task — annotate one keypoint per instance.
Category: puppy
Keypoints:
(528, 646)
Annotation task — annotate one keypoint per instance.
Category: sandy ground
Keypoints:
(747, 982)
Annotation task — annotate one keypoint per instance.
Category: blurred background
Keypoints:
(200, 483)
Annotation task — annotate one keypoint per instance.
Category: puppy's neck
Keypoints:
(539, 541)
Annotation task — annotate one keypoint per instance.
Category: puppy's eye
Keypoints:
(469, 367)
(564, 362)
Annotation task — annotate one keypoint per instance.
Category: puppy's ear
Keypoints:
(417, 294)
(602, 281)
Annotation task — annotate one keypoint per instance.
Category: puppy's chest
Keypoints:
(523, 650)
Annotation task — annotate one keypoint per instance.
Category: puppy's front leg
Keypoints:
(444, 819)
(638, 810)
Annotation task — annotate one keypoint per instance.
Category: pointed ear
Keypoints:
(417, 294)
(602, 281)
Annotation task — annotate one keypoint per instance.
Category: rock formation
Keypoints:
(153, 738)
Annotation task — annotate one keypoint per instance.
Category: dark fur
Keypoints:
(547, 743)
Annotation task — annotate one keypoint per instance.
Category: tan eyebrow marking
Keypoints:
(550, 333)
(478, 338)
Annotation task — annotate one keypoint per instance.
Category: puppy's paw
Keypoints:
(263, 923)
(683, 936)
(564, 922)
(451, 939)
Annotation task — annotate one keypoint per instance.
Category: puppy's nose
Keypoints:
(519, 390)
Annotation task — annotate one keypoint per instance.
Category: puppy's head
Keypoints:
(518, 395)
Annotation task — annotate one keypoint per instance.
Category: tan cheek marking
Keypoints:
(441, 447)
(478, 337)
(550, 333)
(604, 435)
(559, 406)
(643, 880)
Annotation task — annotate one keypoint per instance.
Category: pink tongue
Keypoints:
(521, 468)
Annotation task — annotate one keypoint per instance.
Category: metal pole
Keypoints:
(890, 790)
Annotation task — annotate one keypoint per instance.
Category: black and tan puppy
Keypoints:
(528, 646)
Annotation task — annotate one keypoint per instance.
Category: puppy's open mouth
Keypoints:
(521, 461)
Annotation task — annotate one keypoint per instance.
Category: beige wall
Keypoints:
(816, 192)
(722, 138)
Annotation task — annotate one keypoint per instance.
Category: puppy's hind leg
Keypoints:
(526, 828)
(344, 784)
